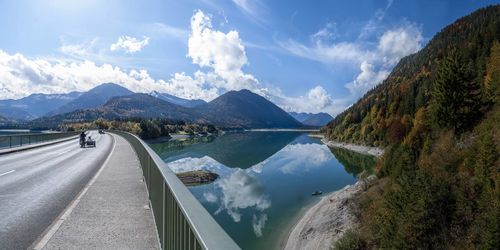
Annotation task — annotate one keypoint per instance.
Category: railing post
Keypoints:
(163, 212)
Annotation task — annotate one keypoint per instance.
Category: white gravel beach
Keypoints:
(377, 152)
(324, 223)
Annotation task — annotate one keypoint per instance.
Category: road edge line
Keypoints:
(35, 145)
(54, 227)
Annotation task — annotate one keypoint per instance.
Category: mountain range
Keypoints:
(35, 105)
(177, 100)
(310, 119)
(234, 109)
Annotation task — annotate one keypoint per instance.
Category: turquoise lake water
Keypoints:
(266, 179)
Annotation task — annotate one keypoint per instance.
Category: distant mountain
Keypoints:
(177, 100)
(130, 106)
(93, 98)
(246, 109)
(234, 109)
(318, 120)
(144, 105)
(34, 105)
(3, 120)
(302, 116)
(310, 119)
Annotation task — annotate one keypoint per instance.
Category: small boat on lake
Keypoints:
(315, 193)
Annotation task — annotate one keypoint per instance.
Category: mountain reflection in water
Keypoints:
(266, 179)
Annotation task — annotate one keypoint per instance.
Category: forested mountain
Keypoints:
(438, 116)
(93, 98)
(122, 107)
(235, 109)
(144, 105)
(246, 109)
(35, 105)
(177, 100)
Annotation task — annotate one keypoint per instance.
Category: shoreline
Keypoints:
(374, 151)
(281, 130)
(327, 220)
(296, 219)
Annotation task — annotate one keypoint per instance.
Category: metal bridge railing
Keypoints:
(17, 140)
(181, 221)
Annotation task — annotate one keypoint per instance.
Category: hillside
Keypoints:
(384, 114)
(438, 116)
(93, 98)
(245, 109)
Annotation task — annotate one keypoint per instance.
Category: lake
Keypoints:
(266, 179)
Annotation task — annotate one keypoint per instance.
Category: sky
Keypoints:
(304, 55)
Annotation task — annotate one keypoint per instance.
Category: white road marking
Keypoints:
(8, 172)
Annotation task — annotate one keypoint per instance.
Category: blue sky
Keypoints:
(303, 55)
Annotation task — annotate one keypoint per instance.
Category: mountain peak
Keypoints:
(246, 109)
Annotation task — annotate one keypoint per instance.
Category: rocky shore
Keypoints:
(197, 177)
(324, 223)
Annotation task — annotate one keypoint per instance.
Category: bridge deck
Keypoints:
(112, 212)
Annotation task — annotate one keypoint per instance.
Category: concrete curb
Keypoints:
(37, 145)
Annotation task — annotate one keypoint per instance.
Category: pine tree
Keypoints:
(456, 96)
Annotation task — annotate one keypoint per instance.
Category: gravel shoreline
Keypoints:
(377, 152)
(324, 223)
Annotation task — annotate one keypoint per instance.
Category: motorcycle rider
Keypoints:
(82, 137)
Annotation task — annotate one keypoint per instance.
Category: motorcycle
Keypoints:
(82, 142)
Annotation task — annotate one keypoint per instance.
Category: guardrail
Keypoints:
(181, 221)
(17, 140)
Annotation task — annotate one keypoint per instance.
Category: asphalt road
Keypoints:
(36, 186)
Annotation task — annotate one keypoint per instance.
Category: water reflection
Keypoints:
(354, 163)
(234, 150)
(266, 178)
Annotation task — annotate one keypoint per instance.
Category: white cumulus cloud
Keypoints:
(129, 44)
(222, 53)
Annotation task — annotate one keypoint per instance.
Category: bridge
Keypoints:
(119, 195)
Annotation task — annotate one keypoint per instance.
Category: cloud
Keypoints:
(325, 35)
(374, 62)
(251, 7)
(79, 49)
(399, 42)
(373, 25)
(222, 53)
(367, 79)
(221, 58)
(333, 53)
(168, 31)
(129, 44)
(21, 76)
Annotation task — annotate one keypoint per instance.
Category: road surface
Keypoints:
(36, 186)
